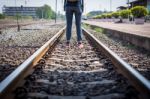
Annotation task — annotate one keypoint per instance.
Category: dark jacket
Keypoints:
(79, 3)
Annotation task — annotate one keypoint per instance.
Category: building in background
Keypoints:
(133, 3)
(122, 8)
(145, 3)
(23, 11)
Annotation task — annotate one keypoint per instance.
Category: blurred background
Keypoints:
(23, 10)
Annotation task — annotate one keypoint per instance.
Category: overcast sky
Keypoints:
(90, 5)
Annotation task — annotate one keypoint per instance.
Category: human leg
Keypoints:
(69, 17)
(78, 15)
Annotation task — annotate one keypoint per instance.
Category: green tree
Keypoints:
(45, 12)
(125, 13)
(18, 16)
(115, 14)
(139, 11)
(2, 16)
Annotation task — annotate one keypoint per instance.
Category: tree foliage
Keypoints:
(94, 13)
(139, 11)
(149, 12)
(2, 16)
(125, 13)
(45, 12)
(115, 14)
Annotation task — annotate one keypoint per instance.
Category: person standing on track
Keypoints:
(74, 7)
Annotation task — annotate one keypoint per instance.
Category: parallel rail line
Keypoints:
(16, 78)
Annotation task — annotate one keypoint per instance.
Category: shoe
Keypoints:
(67, 44)
(80, 45)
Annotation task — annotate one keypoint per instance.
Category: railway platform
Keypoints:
(138, 35)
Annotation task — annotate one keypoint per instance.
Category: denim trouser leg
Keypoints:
(69, 17)
(78, 14)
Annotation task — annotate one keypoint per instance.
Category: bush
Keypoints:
(97, 17)
(103, 16)
(2, 16)
(139, 11)
(45, 12)
(125, 13)
(94, 17)
(109, 15)
(115, 14)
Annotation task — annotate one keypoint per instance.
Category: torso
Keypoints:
(75, 4)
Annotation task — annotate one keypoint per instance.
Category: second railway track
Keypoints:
(57, 72)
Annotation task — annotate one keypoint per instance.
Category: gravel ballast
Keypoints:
(16, 47)
(136, 57)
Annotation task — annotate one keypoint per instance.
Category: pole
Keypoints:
(128, 3)
(17, 17)
(21, 13)
(56, 12)
(128, 9)
(42, 13)
(110, 5)
(62, 10)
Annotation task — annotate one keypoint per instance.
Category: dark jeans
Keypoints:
(69, 16)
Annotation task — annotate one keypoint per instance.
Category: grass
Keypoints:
(130, 46)
(86, 25)
(99, 30)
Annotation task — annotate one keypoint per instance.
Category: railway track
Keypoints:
(16, 47)
(138, 58)
(57, 72)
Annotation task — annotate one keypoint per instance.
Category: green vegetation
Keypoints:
(2, 16)
(45, 12)
(125, 13)
(109, 15)
(27, 17)
(130, 46)
(98, 17)
(149, 12)
(115, 14)
(18, 16)
(86, 25)
(103, 16)
(94, 13)
(139, 11)
(98, 30)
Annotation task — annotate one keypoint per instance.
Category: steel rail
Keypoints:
(135, 78)
(17, 76)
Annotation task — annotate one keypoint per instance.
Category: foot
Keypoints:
(80, 45)
(67, 44)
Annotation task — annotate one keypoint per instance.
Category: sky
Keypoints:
(90, 5)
